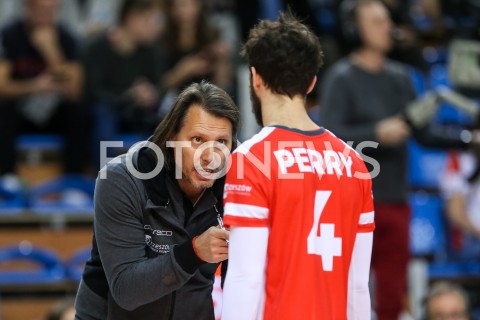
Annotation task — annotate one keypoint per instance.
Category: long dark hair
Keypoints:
(206, 32)
(210, 98)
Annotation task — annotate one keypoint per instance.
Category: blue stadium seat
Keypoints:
(75, 265)
(50, 268)
(418, 81)
(421, 22)
(39, 142)
(11, 202)
(326, 18)
(425, 165)
(71, 193)
(130, 139)
(427, 230)
(435, 55)
(454, 269)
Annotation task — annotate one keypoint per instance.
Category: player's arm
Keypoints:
(244, 286)
(247, 215)
(358, 292)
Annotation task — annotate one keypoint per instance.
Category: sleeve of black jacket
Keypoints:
(133, 279)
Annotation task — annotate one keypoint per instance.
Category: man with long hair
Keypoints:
(156, 246)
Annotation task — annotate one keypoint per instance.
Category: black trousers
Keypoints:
(70, 120)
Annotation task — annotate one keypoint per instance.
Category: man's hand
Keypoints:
(45, 83)
(144, 94)
(211, 246)
(392, 131)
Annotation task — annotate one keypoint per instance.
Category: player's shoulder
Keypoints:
(346, 148)
(256, 143)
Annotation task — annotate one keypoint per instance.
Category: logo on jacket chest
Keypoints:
(149, 239)
(155, 232)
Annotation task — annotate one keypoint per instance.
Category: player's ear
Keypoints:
(257, 80)
(312, 85)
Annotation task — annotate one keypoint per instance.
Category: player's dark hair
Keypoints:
(285, 53)
(210, 98)
(129, 6)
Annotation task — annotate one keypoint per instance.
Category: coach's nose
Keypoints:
(208, 155)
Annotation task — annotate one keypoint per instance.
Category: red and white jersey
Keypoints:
(455, 181)
(314, 194)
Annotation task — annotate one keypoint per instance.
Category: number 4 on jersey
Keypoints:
(325, 245)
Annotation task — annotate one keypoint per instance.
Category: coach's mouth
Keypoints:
(207, 174)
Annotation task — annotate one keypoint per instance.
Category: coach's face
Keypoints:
(207, 140)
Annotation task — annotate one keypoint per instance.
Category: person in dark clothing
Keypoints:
(193, 49)
(40, 85)
(123, 68)
(364, 97)
(156, 246)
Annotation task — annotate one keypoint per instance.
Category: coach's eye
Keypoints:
(222, 141)
(197, 140)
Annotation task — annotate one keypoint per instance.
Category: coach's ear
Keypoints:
(312, 85)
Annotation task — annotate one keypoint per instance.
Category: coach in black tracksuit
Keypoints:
(153, 236)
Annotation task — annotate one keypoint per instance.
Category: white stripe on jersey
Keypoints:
(246, 211)
(366, 218)
(245, 147)
(345, 144)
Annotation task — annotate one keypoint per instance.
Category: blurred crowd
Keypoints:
(92, 70)
(104, 68)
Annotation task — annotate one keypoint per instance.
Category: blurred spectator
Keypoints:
(62, 310)
(194, 50)
(446, 300)
(9, 10)
(89, 17)
(224, 18)
(321, 17)
(40, 84)
(430, 22)
(460, 186)
(123, 68)
(407, 47)
(83, 17)
(363, 99)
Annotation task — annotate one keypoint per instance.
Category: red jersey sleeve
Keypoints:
(245, 195)
(366, 221)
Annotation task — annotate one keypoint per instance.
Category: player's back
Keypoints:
(317, 193)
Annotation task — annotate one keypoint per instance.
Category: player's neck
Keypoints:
(280, 110)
